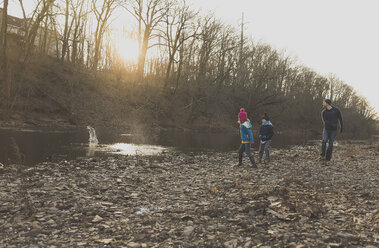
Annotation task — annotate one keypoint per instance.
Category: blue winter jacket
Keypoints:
(246, 133)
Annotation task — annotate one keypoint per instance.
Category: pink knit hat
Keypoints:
(242, 115)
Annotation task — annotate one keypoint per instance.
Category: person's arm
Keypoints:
(269, 136)
(323, 117)
(250, 133)
(324, 120)
(340, 119)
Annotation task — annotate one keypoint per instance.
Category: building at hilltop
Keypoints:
(46, 40)
(15, 25)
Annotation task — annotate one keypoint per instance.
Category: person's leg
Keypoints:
(331, 135)
(261, 151)
(248, 153)
(247, 149)
(267, 151)
(324, 141)
(240, 153)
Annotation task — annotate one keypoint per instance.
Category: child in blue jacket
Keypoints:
(265, 134)
(246, 138)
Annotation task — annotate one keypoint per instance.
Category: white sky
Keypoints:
(330, 36)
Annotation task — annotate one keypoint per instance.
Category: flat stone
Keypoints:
(97, 218)
(231, 243)
(188, 230)
(134, 245)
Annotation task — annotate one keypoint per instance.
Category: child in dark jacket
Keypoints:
(265, 134)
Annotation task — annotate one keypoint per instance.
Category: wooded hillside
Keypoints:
(203, 72)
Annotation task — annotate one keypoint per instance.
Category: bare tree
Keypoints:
(79, 21)
(47, 30)
(32, 33)
(102, 13)
(75, 21)
(66, 31)
(149, 14)
(25, 21)
(225, 58)
(3, 45)
(210, 28)
(176, 22)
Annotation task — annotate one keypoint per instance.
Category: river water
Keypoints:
(43, 144)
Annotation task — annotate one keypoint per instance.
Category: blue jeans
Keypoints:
(328, 135)
(264, 148)
(245, 148)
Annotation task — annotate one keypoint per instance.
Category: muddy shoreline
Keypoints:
(194, 200)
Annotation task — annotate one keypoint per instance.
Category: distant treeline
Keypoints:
(202, 72)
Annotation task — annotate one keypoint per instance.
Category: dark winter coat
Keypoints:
(266, 131)
(331, 118)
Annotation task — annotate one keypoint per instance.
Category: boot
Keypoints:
(239, 160)
(254, 165)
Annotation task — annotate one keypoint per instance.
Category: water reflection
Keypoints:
(91, 149)
(54, 144)
(131, 149)
(92, 142)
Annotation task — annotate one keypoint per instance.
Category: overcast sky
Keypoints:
(330, 36)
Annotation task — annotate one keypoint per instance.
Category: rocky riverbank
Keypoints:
(194, 200)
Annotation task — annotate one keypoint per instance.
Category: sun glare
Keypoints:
(127, 49)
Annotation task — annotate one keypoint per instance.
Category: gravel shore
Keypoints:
(195, 200)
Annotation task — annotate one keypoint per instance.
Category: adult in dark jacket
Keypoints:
(265, 134)
(330, 116)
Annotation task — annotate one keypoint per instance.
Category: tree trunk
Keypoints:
(179, 72)
(75, 41)
(142, 55)
(4, 59)
(88, 54)
(82, 47)
(96, 57)
(65, 33)
(44, 44)
(101, 27)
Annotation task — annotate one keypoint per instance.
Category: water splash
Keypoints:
(92, 136)
(92, 142)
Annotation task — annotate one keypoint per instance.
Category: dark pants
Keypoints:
(328, 135)
(244, 148)
(264, 148)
